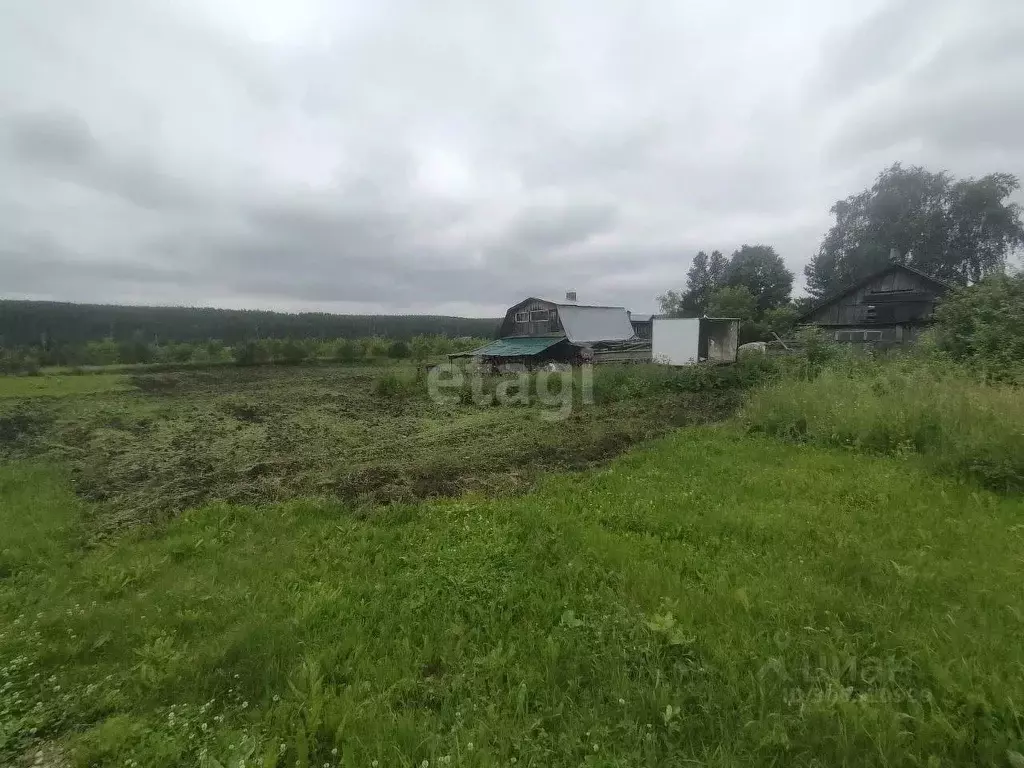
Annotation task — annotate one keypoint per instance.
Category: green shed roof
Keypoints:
(523, 346)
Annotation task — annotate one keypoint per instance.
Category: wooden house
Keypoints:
(537, 331)
(887, 308)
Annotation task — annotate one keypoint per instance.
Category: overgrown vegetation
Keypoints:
(956, 399)
(983, 326)
(961, 425)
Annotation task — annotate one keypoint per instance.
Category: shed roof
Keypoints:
(518, 346)
(867, 279)
(584, 325)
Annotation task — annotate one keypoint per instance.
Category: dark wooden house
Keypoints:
(888, 308)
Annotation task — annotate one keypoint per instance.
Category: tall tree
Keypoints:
(705, 276)
(671, 303)
(959, 230)
(760, 270)
(699, 285)
(716, 268)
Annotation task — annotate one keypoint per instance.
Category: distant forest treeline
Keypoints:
(48, 323)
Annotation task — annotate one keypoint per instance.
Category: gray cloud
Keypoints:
(392, 156)
(542, 229)
(61, 145)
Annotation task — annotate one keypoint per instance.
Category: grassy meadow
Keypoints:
(278, 567)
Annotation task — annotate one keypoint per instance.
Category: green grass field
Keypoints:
(60, 386)
(711, 598)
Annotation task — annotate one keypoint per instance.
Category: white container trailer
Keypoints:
(675, 340)
(687, 340)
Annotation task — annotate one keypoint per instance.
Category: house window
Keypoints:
(540, 316)
(872, 335)
(522, 317)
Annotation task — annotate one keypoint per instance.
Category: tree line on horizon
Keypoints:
(959, 230)
(105, 353)
(47, 325)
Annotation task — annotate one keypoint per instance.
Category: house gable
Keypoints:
(580, 323)
(896, 295)
(531, 317)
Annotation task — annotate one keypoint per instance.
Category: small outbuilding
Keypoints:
(686, 340)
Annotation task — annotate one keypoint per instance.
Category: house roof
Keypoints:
(588, 323)
(517, 346)
(584, 324)
(865, 280)
(561, 303)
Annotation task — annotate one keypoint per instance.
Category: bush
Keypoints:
(290, 353)
(250, 353)
(394, 385)
(984, 324)
(345, 351)
(398, 350)
(614, 383)
(16, 361)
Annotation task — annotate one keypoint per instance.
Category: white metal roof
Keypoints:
(584, 325)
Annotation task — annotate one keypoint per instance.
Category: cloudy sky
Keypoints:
(455, 155)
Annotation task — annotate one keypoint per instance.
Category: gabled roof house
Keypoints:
(541, 330)
(890, 307)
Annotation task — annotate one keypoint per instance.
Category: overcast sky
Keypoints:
(456, 155)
